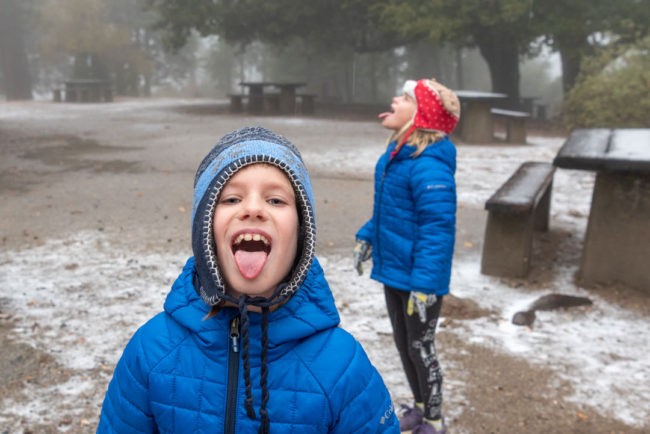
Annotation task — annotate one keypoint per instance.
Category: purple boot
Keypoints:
(410, 418)
(428, 428)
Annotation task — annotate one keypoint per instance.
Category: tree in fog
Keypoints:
(500, 29)
(579, 28)
(16, 79)
(104, 40)
(341, 32)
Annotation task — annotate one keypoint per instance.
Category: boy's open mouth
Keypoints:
(251, 250)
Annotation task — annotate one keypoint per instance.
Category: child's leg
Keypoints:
(396, 301)
(422, 352)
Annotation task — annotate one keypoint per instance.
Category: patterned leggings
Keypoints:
(415, 341)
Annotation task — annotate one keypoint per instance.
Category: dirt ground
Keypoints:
(132, 181)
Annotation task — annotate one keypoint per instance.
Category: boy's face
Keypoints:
(256, 230)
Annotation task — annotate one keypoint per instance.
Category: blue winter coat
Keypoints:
(412, 230)
(174, 376)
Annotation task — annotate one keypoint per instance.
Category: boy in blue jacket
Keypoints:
(410, 236)
(248, 340)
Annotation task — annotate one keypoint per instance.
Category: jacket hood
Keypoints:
(232, 153)
(309, 311)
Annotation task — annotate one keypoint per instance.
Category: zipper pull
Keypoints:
(234, 334)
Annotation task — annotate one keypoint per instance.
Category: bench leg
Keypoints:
(508, 244)
(236, 105)
(516, 130)
(543, 210)
(307, 105)
(617, 242)
(255, 104)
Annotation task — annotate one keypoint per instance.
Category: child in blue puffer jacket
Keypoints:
(249, 338)
(410, 236)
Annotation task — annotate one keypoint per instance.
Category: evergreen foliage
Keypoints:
(612, 90)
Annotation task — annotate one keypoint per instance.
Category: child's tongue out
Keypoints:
(384, 114)
(250, 263)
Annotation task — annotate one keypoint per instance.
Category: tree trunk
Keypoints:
(501, 53)
(570, 56)
(17, 83)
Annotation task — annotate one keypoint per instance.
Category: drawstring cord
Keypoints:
(248, 401)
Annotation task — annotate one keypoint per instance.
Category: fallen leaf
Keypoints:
(84, 422)
(181, 208)
(468, 244)
(582, 416)
(32, 303)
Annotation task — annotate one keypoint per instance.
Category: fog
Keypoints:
(122, 42)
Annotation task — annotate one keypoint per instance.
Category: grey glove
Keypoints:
(362, 252)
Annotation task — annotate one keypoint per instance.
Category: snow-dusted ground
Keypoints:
(83, 315)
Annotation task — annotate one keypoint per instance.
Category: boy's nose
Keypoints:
(253, 208)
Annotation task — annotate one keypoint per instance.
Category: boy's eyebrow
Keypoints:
(268, 186)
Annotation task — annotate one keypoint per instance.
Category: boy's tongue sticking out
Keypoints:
(251, 252)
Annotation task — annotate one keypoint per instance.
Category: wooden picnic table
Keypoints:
(87, 90)
(617, 242)
(476, 124)
(286, 97)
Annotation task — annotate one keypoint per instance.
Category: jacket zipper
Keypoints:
(381, 194)
(233, 377)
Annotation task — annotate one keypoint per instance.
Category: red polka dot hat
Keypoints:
(438, 108)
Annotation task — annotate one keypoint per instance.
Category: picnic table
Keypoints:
(476, 124)
(617, 242)
(87, 90)
(283, 101)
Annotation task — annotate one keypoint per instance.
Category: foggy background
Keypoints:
(347, 51)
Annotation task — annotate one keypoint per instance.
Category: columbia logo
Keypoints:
(387, 414)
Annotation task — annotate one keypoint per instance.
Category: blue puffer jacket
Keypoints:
(412, 230)
(173, 376)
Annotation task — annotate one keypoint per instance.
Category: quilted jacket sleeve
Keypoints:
(365, 233)
(359, 396)
(126, 405)
(434, 195)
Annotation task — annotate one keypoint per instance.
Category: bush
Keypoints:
(612, 90)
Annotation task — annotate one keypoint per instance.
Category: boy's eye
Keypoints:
(229, 200)
(276, 201)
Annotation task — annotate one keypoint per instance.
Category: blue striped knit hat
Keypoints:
(233, 152)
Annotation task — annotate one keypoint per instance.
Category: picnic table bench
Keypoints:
(85, 90)
(617, 242)
(475, 124)
(515, 122)
(520, 206)
(307, 105)
(237, 102)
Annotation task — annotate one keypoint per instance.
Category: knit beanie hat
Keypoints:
(438, 107)
(233, 152)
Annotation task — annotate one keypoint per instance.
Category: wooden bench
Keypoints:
(307, 103)
(520, 206)
(515, 124)
(236, 102)
(271, 103)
